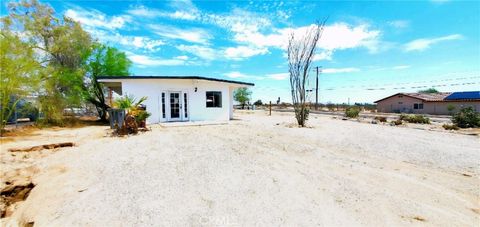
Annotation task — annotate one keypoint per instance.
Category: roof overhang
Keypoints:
(116, 80)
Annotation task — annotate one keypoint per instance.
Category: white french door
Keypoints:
(177, 106)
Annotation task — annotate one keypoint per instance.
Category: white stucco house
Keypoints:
(179, 98)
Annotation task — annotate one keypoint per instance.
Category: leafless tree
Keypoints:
(301, 49)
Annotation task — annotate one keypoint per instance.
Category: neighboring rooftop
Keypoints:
(106, 78)
(429, 97)
(441, 96)
(464, 95)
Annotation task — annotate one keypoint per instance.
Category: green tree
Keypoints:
(242, 95)
(61, 47)
(103, 61)
(18, 71)
(429, 91)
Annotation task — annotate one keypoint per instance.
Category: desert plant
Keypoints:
(300, 52)
(450, 127)
(352, 112)
(129, 103)
(466, 118)
(396, 122)
(414, 118)
(141, 116)
(380, 118)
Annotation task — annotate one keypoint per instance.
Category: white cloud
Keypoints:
(144, 60)
(194, 35)
(337, 36)
(340, 70)
(324, 55)
(97, 19)
(278, 76)
(249, 30)
(399, 23)
(399, 67)
(239, 75)
(184, 15)
(146, 43)
(142, 11)
(183, 57)
(130, 42)
(423, 44)
(235, 74)
(203, 52)
(240, 52)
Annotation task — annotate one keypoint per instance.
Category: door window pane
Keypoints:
(174, 105)
(185, 104)
(163, 104)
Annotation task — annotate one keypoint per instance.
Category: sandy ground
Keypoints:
(255, 171)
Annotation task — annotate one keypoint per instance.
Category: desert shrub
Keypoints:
(352, 112)
(380, 118)
(306, 112)
(466, 118)
(414, 118)
(450, 127)
(142, 115)
(396, 122)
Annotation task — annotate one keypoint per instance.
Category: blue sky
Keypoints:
(368, 50)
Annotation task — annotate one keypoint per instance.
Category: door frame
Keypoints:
(168, 114)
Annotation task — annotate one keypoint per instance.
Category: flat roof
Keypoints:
(106, 78)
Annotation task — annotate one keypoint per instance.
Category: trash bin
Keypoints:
(117, 116)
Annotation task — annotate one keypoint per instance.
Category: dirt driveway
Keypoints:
(255, 171)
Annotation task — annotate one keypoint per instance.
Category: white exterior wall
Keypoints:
(196, 106)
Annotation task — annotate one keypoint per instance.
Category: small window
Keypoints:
(400, 103)
(214, 99)
(400, 96)
(418, 106)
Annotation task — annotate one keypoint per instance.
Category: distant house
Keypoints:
(179, 98)
(429, 103)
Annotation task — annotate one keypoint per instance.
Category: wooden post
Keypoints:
(270, 108)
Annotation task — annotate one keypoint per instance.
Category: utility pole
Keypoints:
(316, 89)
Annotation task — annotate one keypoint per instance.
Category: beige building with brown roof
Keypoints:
(429, 103)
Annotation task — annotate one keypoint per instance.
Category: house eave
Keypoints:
(104, 79)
